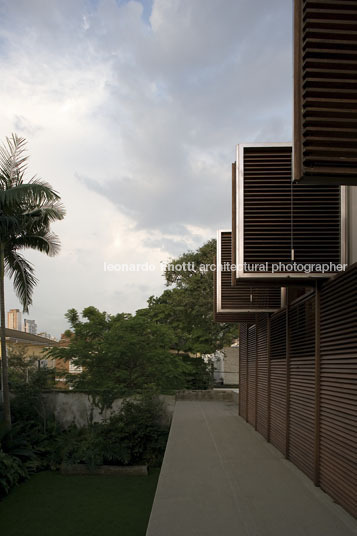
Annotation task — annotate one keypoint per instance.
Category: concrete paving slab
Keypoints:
(220, 477)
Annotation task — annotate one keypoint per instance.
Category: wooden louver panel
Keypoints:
(284, 222)
(322, 383)
(238, 303)
(267, 204)
(252, 378)
(228, 317)
(243, 368)
(278, 381)
(325, 137)
(302, 384)
(316, 224)
(262, 374)
(338, 421)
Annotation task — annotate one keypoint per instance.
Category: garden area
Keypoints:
(125, 358)
(52, 504)
(36, 498)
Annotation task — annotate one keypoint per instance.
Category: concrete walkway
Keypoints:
(221, 478)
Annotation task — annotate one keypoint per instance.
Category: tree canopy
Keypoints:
(187, 307)
(120, 354)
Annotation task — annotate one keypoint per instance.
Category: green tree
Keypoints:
(24, 369)
(187, 307)
(27, 210)
(20, 366)
(121, 355)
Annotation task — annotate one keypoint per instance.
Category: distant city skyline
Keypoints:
(27, 325)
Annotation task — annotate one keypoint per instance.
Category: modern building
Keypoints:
(14, 319)
(30, 326)
(30, 345)
(225, 365)
(294, 227)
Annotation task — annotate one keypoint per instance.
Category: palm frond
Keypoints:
(47, 212)
(33, 193)
(22, 272)
(13, 163)
(45, 242)
(8, 225)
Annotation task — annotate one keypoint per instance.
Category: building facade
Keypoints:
(294, 227)
(30, 326)
(14, 319)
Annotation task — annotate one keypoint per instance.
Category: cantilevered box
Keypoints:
(325, 92)
(241, 302)
(284, 231)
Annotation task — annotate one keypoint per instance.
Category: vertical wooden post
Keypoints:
(247, 375)
(269, 374)
(317, 386)
(234, 225)
(287, 414)
(239, 373)
(256, 371)
(297, 160)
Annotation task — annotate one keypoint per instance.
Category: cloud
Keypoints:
(133, 110)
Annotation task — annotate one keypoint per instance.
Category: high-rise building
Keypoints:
(30, 326)
(14, 319)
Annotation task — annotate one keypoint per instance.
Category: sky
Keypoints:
(132, 111)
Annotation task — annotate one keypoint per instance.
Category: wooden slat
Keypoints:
(278, 381)
(238, 302)
(252, 374)
(338, 419)
(262, 374)
(302, 385)
(285, 222)
(325, 72)
(243, 369)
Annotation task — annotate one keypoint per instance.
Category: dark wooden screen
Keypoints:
(316, 224)
(243, 295)
(338, 428)
(285, 222)
(252, 378)
(278, 381)
(267, 204)
(302, 385)
(243, 369)
(312, 395)
(228, 317)
(325, 118)
(262, 373)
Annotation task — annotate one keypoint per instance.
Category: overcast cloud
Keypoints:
(132, 111)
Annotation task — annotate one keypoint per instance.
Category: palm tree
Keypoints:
(27, 210)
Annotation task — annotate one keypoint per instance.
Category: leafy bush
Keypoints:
(198, 374)
(12, 471)
(135, 435)
(28, 447)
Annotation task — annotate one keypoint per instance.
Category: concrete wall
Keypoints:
(231, 365)
(77, 408)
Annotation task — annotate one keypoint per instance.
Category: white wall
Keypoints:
(77, 408)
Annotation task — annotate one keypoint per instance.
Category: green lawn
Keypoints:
(50, 504)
